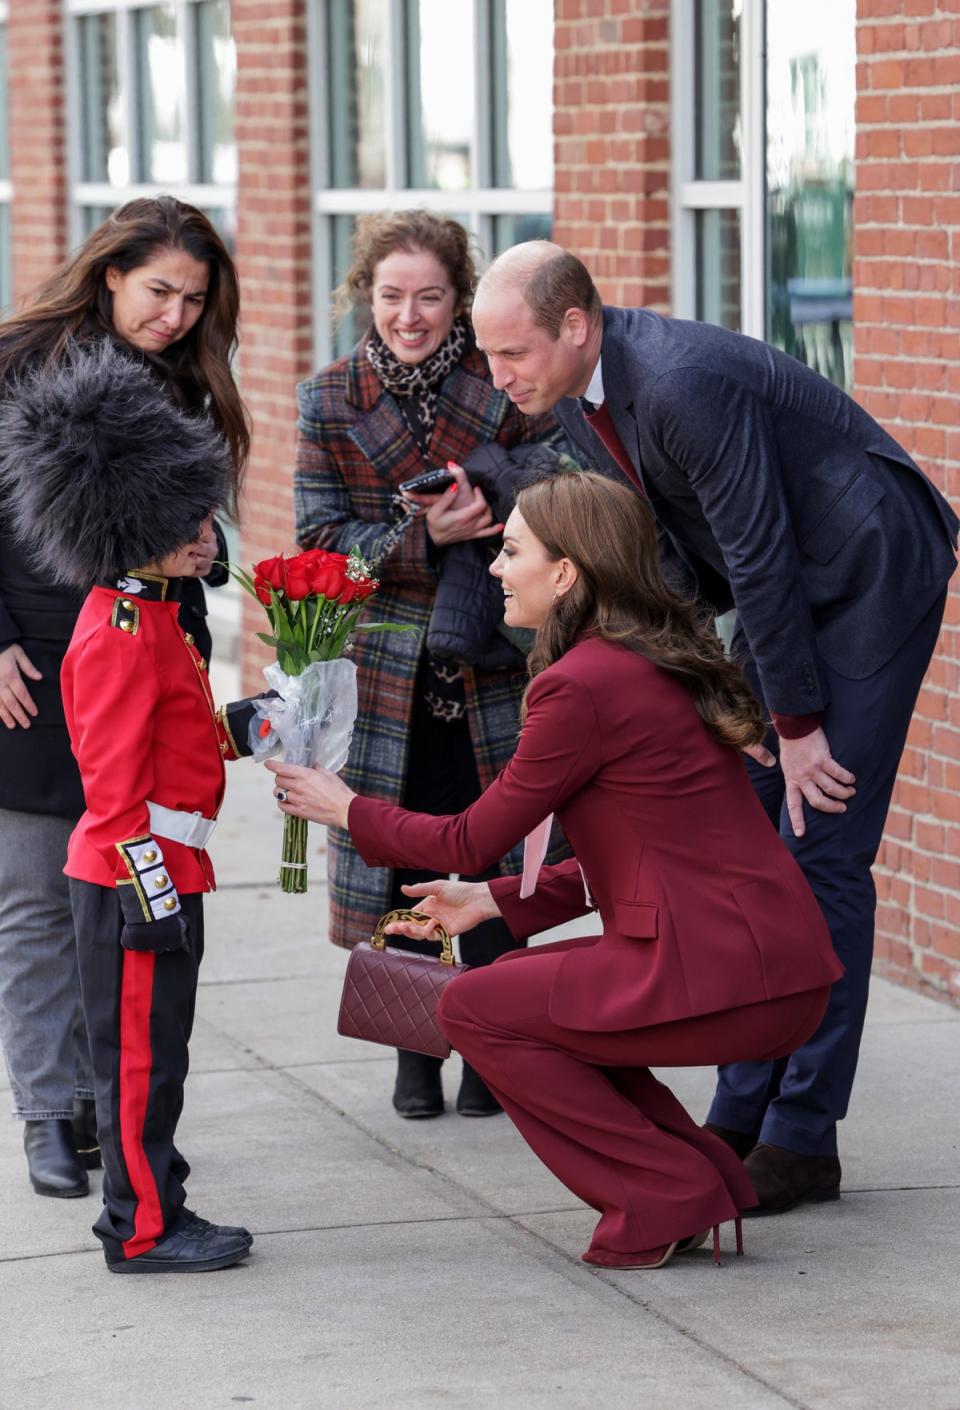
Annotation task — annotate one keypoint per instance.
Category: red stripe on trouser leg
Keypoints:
(136, 1063)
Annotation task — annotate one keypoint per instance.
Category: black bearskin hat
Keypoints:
(99, 471)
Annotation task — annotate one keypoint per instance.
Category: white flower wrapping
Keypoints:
(312, 722)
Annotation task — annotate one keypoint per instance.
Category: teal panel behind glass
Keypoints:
(216, 71)
(717, 136)
(357, 43)
(811, 93)
(159, 50)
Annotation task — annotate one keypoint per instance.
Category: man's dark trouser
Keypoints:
(139, 1009)
(796, 1102)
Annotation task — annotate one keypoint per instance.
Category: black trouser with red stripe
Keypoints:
(139, 1009)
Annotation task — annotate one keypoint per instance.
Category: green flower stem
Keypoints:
(293, 856)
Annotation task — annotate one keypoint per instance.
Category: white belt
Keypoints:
(192, 829)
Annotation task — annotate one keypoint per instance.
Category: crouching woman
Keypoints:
(713, 947)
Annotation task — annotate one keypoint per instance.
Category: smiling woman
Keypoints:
(414, 393)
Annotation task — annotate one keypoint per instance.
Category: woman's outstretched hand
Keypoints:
(315, 794)
(456, 905)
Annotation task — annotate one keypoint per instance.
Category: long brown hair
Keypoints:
(379, 234)
(74, 304)
(608, 534)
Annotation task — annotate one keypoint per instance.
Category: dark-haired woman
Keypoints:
(713, 946)
(156, 278)
(413, 393)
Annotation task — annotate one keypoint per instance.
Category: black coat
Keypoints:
(466, 622)
(38, 773)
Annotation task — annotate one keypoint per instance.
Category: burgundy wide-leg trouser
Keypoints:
(589, 1107)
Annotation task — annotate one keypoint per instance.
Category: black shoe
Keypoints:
(418, 1092)
(55, 1167)
(188, 1249)
(740, 1142)
(783, 1179)
(85, 1132)
(475, 1097)
(191, 1220)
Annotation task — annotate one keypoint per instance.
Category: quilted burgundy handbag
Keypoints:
(391, 996)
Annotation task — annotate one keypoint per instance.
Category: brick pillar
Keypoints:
(38, 166)
(611, 125)
(274, 261)
(907, 369)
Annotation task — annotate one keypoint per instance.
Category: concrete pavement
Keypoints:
(414, 1265)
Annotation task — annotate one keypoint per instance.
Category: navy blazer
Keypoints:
(776, 493)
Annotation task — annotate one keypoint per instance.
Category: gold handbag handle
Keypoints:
(379, 939)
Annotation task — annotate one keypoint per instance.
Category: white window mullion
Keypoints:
(129, 78)
(683, 236)
(753, 277)
(481, 164)
(189, 93)
(395, 103)
(319, 120)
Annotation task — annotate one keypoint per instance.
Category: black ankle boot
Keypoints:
(85, 1132)
(418, 1092)
(55, 1167)
(475, 1097)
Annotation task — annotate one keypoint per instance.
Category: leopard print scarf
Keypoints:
(420, 379)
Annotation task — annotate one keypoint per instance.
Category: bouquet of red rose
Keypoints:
(313, 601)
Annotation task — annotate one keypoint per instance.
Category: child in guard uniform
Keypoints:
(112, 485)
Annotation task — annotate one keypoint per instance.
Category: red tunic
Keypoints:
(143, 726)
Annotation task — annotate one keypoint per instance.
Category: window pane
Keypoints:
(224, 221)
(349, 329)
(440, 67)
(92, 216)
(357, 41)
(512, 229)
(811, 90)
(521, 51)
(718, 267)
(717, 128)
(4, 154)
(103, 145)
(216, 77)
(163, 151)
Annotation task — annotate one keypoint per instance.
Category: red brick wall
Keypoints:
(612, 146)
(907, 369)
(38, 163)
(274, 260)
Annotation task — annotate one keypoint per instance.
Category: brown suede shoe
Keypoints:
(783, 1179)
(740, 1142)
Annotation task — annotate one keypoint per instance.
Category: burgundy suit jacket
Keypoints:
(703, 907)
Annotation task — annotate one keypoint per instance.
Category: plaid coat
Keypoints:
(354, 449)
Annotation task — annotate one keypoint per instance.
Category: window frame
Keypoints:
(747, 196)
(480, 203)
(86, 194)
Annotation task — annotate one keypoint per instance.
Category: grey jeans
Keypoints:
(42, 1031)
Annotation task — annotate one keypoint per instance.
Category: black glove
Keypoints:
(160, 937)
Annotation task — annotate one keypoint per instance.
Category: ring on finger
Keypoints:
(280, 794)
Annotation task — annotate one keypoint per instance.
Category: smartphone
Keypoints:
(429, 482)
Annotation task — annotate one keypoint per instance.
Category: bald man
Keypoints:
(776, 494)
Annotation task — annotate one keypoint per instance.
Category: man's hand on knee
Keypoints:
(812, 773)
